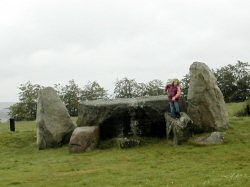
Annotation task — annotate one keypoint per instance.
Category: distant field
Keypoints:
(151, 165)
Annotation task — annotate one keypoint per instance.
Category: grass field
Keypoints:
(155, 164)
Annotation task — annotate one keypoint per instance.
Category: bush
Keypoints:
(25, 109)
(245, 111)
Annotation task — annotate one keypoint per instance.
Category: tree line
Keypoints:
(233, 80)
(72, 94)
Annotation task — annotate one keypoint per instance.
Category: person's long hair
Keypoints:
(176, 80)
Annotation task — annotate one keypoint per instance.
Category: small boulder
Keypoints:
(84, 139)
(212, 139)
(54, 126)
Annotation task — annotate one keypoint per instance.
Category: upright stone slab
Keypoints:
(206, 105)
(54, 126)
(143, 116)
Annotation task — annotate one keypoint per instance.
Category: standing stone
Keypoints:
(206, 105)
(84, 139)
(54, 126)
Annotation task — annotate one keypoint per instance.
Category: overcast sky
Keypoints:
(54, 41)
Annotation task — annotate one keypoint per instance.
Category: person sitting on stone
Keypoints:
(173, 90)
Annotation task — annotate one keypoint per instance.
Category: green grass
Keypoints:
(233, 108)
(155, 164)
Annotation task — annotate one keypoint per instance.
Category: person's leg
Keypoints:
(177, 109)
(172, 108)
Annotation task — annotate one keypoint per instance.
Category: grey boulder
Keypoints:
(84, 139)
(54, 126)
(212, 139)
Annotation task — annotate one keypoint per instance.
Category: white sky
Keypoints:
(54, 41)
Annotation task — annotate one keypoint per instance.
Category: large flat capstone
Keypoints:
(143, 116)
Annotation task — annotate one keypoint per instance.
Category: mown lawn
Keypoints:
(155, 164)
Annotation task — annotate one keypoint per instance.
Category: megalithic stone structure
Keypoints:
(142, 116)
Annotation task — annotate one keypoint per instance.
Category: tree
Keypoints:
(58, 88)
(155, 87)
(140, 89)
(18, 111)
(234, 81)
(242, 81)
(185, 85)
(129, 88)
(70, 95)
(126, 88)
(93, 91)
(26, 108)
(226, 81)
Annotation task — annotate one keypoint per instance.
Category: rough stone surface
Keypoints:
(84, 139)
(54, 126)
(125, 143)
(212, 139)
(142, 116)
(180, 129)
(206, 106)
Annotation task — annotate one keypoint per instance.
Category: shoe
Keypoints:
(177, 115)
